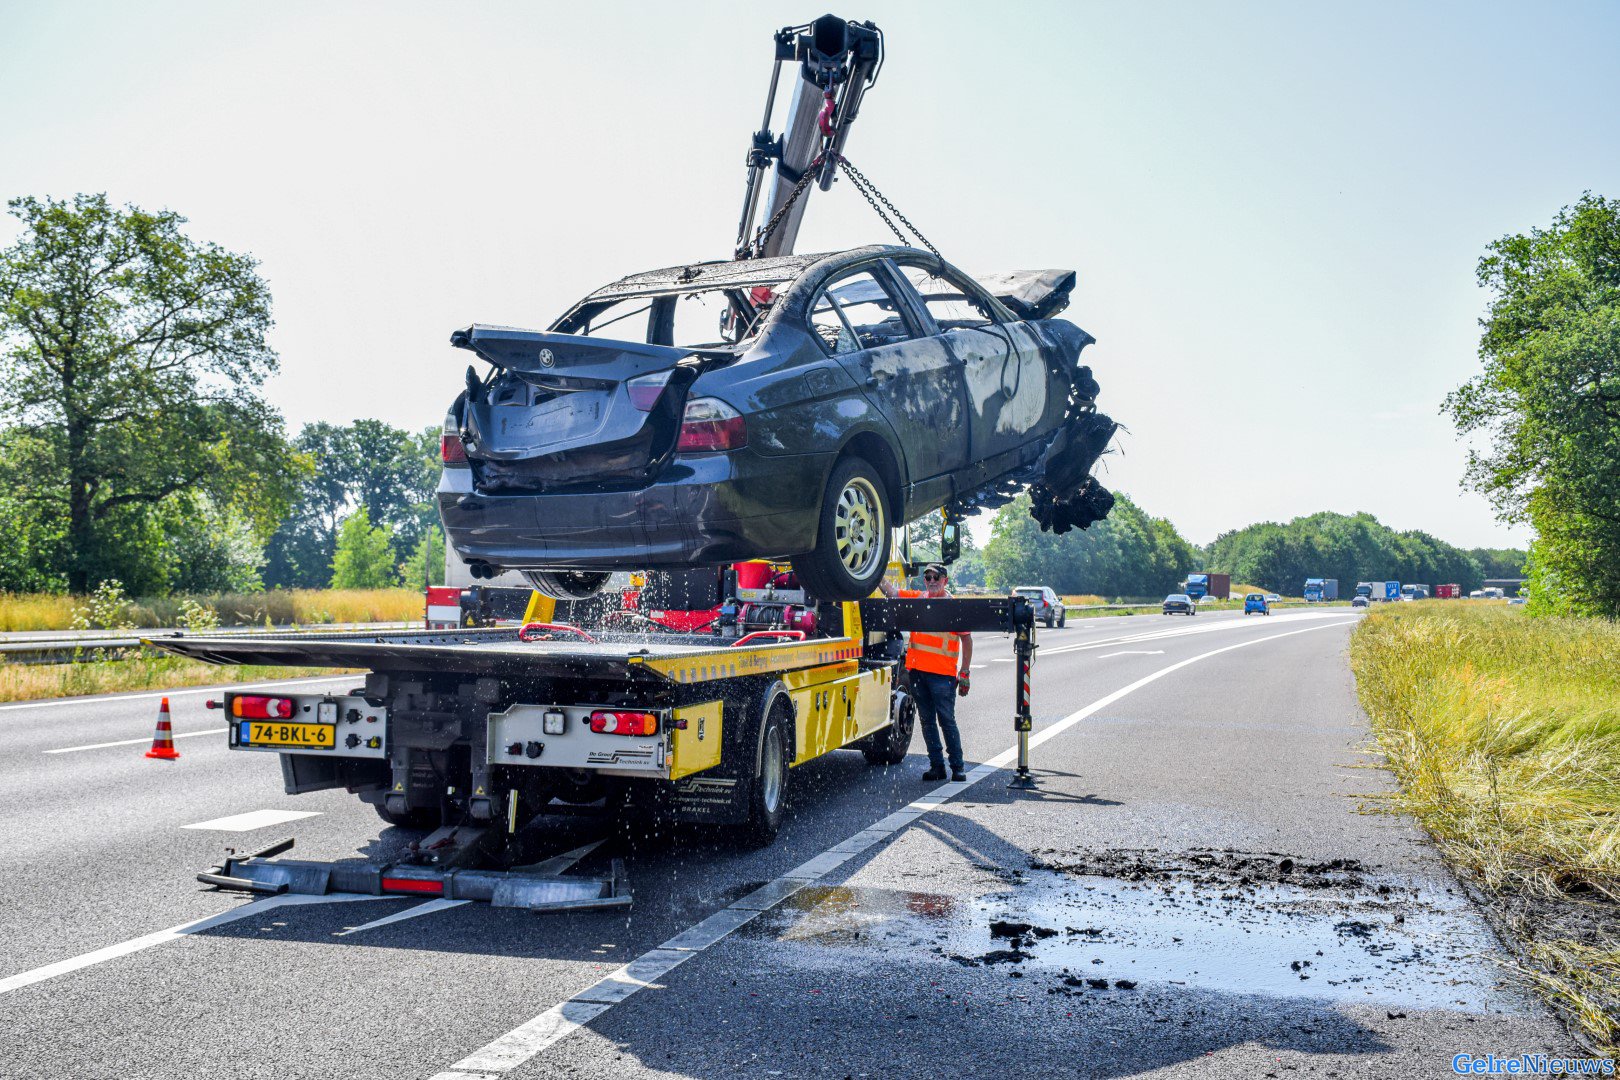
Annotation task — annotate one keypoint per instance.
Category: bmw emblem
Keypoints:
(547, 359)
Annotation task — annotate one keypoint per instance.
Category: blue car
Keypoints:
(1256, 602)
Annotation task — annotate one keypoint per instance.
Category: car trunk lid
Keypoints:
(569, 412)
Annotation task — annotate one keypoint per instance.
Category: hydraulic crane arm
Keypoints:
(838, 61)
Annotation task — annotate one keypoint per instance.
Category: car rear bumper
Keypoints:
(705, 509)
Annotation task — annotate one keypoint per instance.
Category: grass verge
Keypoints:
(1505, 733)
(26, 682)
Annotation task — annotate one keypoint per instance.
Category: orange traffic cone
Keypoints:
(163, 738)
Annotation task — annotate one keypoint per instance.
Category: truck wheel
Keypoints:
(419, 818)
(852, 535)
(767, 795)
(567, 584)
(891, 745)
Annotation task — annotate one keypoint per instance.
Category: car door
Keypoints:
(912, 378)
(1009, 386)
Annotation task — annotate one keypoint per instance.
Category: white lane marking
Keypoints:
(253, 819)
(134, 945)
(412, 912)
(561, 1020)
(1208, 628)
(1132, 652)
(1001, 660)
(64, 703)
(133, 742)
(554, 865)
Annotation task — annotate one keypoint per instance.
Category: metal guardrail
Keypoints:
(99, 645)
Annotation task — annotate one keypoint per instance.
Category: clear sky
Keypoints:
(1275, 209)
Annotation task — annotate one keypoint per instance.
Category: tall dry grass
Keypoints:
(1505, 733)
(280, 607)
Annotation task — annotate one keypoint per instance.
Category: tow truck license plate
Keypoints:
(273, 733)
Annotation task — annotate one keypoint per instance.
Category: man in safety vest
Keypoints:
(938, 666)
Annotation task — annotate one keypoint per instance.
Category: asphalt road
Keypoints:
(1204, 892)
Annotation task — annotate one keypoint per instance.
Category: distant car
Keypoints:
(1048, 608)
(796, 408)
(1256, 602)
(1360, 601)
(1273, 598)
(1207, 599)
(1179, 603)
(1517, 599)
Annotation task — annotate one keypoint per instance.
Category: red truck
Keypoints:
(1448, 592)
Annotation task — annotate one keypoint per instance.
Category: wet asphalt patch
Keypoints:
(1263, 924)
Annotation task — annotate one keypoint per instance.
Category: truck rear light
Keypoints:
(708, 425)
(624, 723)
(645, 389)
(257, 707)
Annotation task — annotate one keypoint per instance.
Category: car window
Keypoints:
(854, 312)
(951, 304)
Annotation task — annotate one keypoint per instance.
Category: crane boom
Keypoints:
(838, 61)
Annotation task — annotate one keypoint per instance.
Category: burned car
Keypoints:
(794, 408)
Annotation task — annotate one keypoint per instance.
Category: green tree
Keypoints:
(1549, 399)
(388, 471)
(1347, 547)
(426, 564)
(132, 357)
(1128, 553)
(364, 558)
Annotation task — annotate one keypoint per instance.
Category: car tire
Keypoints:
(891, 745)
(767, 793)
(1051, 622)
(1063, 619)
(420, 818)
(567, 584)
(852, 535)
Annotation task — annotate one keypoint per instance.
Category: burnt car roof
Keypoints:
(726, 274)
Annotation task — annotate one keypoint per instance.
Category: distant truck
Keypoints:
(1199, 586)
(1321, 590)
(1448, 592)
(1414, 592)
(1365, 589)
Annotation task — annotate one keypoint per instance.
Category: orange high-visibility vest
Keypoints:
(937, 654)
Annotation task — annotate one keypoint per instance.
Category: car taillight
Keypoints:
(451, 451)
(604, 722)
(709, 424)
(255, 707)
(644, 390)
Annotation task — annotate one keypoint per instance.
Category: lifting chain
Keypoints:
(868, 191)
(874, 196)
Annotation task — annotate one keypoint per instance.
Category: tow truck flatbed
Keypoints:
(633, 657)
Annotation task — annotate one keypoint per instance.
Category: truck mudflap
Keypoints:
(540, 887)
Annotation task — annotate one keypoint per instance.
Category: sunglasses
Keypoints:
(931, 577)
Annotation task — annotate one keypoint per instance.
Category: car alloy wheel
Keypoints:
(858, 526)
(852, 535)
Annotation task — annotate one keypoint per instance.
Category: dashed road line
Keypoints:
(530, 1038)
(253, 819)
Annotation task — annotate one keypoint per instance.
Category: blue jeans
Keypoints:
(936, 711)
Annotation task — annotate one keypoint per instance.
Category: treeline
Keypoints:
(1128, 553)
(1351, 548)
